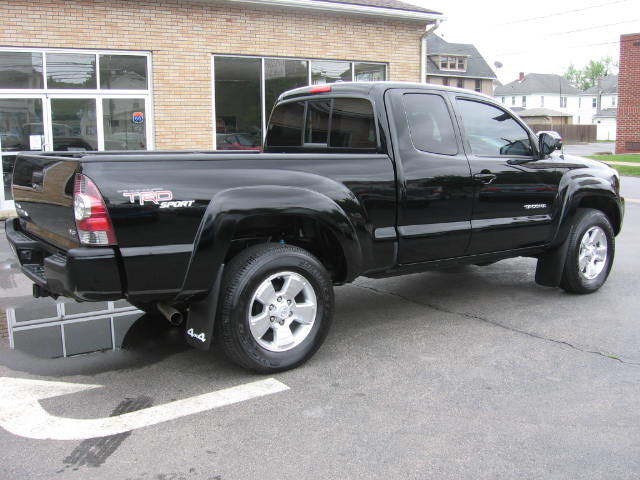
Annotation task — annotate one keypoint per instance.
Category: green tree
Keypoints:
(588, 76)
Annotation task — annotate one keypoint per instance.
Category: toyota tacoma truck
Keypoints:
(356, 179)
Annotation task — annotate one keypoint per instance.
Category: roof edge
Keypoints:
(333, 7)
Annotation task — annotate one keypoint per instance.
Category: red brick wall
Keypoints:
(183, 34)
(628, 125)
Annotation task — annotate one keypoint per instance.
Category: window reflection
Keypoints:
(369, 72)
(71, 70)
(20, 70)
(238, 102)
(493, 132)
(326, 71)
(124, 124)
(74, 124)
(282, 75)
(19, 118)
(123, 72)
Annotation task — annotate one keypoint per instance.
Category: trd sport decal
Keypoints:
(162, 198)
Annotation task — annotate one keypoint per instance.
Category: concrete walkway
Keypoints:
(590, 148)
(630, 164)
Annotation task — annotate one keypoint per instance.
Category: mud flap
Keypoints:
(202, 315)
(551, 265)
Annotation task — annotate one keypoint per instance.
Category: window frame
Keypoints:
(97, 94)
(325, 147)
(265, 115)
(452, 118)
(465, 138)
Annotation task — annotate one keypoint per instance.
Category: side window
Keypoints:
(352, 124)
(285, 126)
(492, 131)
(317, 126)
(430, 125)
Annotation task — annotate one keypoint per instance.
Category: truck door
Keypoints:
(513, 201)
(435, 188)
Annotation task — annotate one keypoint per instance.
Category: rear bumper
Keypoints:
(86, 274)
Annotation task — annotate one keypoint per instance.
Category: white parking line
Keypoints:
(22, 414)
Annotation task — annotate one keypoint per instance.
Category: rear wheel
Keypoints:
(590, 252)
(276, 307)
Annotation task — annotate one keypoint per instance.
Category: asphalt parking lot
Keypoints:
(470, 373)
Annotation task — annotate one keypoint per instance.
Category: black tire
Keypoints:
(574, 279)
(249, 270)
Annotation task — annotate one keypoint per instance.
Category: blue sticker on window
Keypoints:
(138, 117)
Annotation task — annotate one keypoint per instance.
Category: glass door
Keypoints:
(22, 127)
(73, 125)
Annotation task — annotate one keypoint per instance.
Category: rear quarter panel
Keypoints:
(362, 186)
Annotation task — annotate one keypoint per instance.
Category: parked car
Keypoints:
(237, 141)
(373, 179)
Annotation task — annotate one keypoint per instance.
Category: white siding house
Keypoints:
(542, 90)
(605, 96)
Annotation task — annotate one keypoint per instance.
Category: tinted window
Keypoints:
(430, 124)
(285, 126)
(329, 71)
(492, 131)
(20, 70)
(317, 127)
(124, 72)
(281, 75)
(352, 124)
(124, 124)
(71, 70)
(237, 96)
(369, 72)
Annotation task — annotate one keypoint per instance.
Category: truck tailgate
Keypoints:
(43, 193)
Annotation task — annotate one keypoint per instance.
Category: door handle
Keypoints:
(485, 178)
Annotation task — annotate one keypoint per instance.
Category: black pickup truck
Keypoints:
(373, 179)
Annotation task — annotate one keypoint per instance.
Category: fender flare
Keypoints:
(229, 207)
(551, 263)
(217, 228)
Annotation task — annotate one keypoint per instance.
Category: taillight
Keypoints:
(90, 212)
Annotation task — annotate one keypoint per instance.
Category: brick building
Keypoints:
(628, 129)
(183, 74)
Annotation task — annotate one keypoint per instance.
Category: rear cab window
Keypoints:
(323, 125)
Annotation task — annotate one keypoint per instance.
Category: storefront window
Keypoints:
(326, 71)
(71, 70)
(238, 103)
(369, 72)
(73, 122)
(282, 75)
(19, 118)
(123, 72)
(20, 70)
(124, 124)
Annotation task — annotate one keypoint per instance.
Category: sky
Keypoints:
(541, 36)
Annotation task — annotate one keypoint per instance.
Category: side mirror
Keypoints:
(549, 142)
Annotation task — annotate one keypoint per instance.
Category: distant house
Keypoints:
(457, 65)
(543, 116)
(550, 91)
(605, 96)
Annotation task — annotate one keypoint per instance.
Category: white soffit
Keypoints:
(350, 8)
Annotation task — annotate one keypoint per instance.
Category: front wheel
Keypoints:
(590, 252)
(276, 307)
